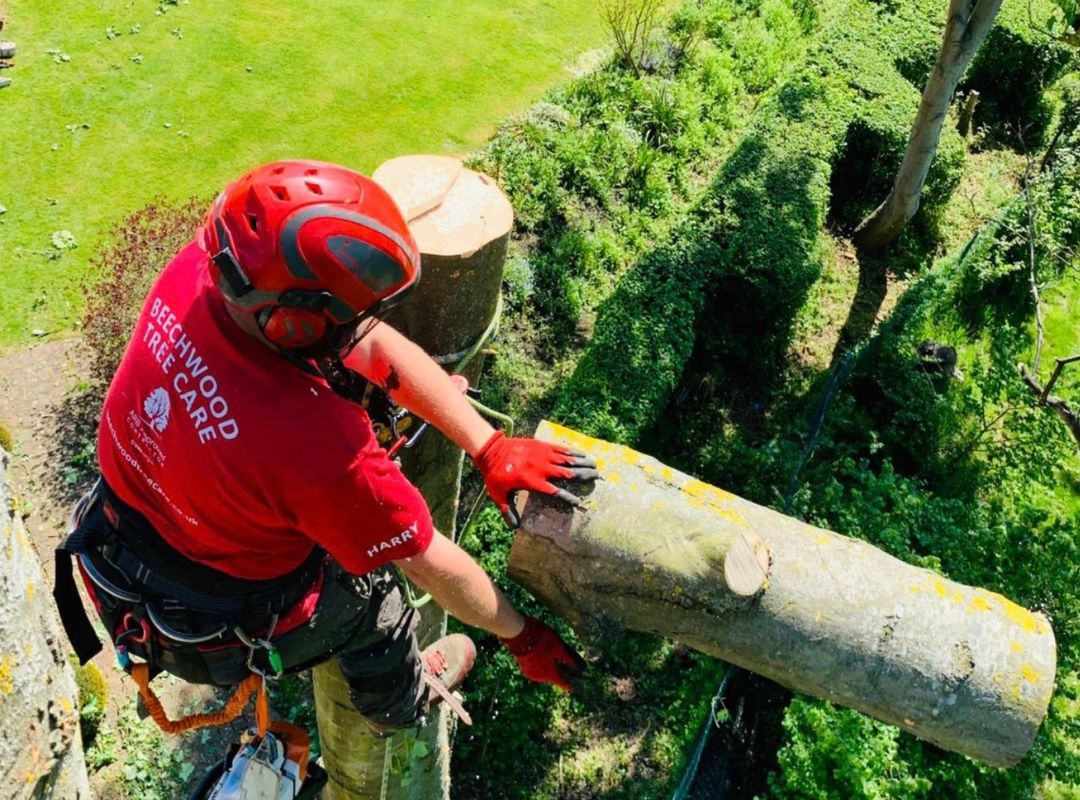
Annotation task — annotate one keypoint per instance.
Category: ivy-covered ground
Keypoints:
(689, 293)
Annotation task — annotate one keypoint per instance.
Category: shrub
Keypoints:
(134, 253)
(1012, 69)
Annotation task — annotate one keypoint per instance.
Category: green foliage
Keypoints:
(968, 477)
(6, 440)
(837, 754)
(1016, 62)
(93, 695)
(150, 767)
(135, 252)
(727, 285)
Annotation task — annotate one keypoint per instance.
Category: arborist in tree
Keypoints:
(247, 518)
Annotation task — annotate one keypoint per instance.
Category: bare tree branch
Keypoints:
(631, 23)
(1058, 405)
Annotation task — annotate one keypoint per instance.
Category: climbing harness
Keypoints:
(272, 764)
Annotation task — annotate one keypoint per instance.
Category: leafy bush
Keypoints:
(1013, 67)
(135, 252)
(966, 477)
(726, 287)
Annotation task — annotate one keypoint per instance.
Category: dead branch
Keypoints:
(1060, 406)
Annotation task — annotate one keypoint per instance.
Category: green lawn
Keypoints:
(179, 102)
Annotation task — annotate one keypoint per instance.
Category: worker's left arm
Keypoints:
(414, 380)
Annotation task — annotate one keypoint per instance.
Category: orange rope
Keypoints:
(234, 707)
(297, 740)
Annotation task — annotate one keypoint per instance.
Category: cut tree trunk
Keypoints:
(835, 618)
(40, 751)
(461, 222)
(968, 23)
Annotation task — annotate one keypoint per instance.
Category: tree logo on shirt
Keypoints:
(157, 409)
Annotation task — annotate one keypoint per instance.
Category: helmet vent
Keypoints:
(278, 170)
(311, 171)
(313, 187)
(253, 223)
(280, 192)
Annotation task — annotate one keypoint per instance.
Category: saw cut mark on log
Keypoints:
(832, 617)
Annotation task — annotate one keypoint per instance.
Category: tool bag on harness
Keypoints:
(177, 615)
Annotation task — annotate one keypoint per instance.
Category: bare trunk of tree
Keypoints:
(655, 550)
(969, 22)
(41, 754)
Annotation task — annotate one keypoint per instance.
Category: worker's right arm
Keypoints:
(460, 585)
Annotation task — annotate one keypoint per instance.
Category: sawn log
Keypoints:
(655, 550)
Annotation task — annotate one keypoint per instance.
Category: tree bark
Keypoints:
(968, 23)
(40, 751)
(461, 221)
(836, 618)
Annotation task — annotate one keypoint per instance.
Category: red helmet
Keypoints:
(310, 249)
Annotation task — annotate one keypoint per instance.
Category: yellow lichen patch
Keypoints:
(915, 589)
(957, 597)
(30, 588)
(979, 603)
(1017, 647)
(601, 464)
(823, 538)
(997, 677)
(1030, 675)
(7, 676)
(939, 587)
(579, 441)
(696, 488)
(67, 705)
(659, 505)
(1021, 616)
(614, 477)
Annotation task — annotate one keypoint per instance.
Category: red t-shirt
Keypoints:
(238, 458)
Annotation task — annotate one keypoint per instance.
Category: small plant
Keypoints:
(64, 240)
(111, 33)
(632, 24)
(58, 55)
(6, 441)
(93, 695)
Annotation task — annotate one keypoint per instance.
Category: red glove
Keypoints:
(544, 657)
(512, 465)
